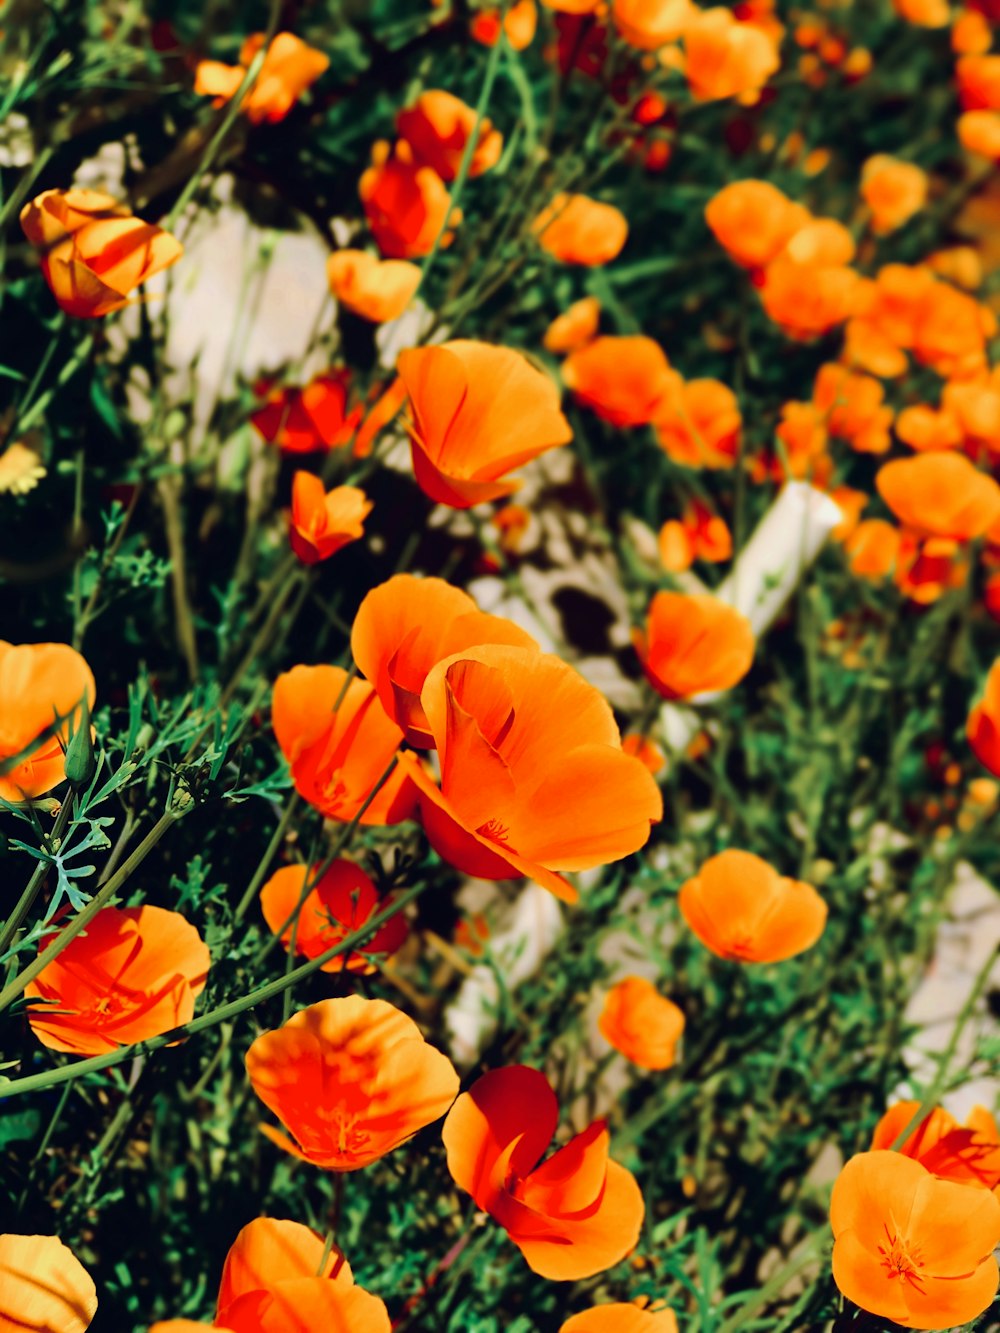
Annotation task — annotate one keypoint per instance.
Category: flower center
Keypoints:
(900, 1260)
(494, 830)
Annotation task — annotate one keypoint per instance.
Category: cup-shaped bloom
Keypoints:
(641, 1024)
(289, 68)
(534, 779)
(910, 1247)
(621, 1318)
(406, 203)
(699, 534)
(873, 549)
(983, 726)
(979, 132)
(742, 909)
(809, 299)
(701, 424)
(135, 972)
(576, 229)
(576, 1214)
(727, 58)
(43, 1287)
(305, 420)
(279, 1278)
(940, 495)
(627, 381)
(477, 412)
(649, 24)
(893, 190)
(350, 1080)
(40, 683)
(692, 644)
(518, 22)
(404, 627)
(438, 127)
(376, 289)
(341, 901)
(323, 521)
(968, 1154)
(753, 221)
(574, 328)
(339, 747)
(94, 253)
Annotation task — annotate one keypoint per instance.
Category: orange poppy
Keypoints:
(974, 405)
(576, 1214)
(753, 221)
(928, 566)
(477, 412)
(405, 202)
(134, 973)
(940, 495)
(979, 82)
(337, 751)
(983, 727)
(912, 1248)
(340, 902)
(893, 190)
(574, 328)
(376, 289)
(40, 684)
(960, 264)
(621, 1319)
(950, 330)
(700, 425)
(727, 58)
(323, 521)
(518, 24)
(94, 253)
(853, 408)
(350, 1080)
(578, 230)
(851, 504)
(650, 24)
(924, 13)
(381, 414)
(873, 548)
(533, 776)
(438, 126)
(315, 417)
(290, 68)
(693, 644)
(979, 132)
(968, 1154)
(803, 436)
(808, 299)
(926, 428)
(43, 1287)
(971, 34)
(699, 534)
(742, 909)
(626, 381)
(404, 627)
(646, 750)
(641, 1024)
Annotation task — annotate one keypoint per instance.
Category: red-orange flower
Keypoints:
(641, 1024)
(969, 1154)
(341, 901)
(983, 727)
(438, 126)
(376, 289)
(574, 328)
(726, 58)
(910, 1247)
(323, 521)
(477, 412)
(649, 24)
(693, 644)
(621, 1319)
(809, 299)
(41, 684)
(893, 190)
(43, 1287)
(742, 909)
(518, 24)
(700, 424)
(301, 421)
(578, 230)
(404, 627)
(940, 495)
(874, 548)
(627, 381)
(405, 202)
(853, 409)
(350, 1080)
(754, 221)
(290, 67)
(134, 973)
(575, 1215)
(699, 534)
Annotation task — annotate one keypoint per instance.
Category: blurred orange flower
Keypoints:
(753, 221)
(518, 24)
(43, 1287)
(621, 1319)
(578, 230)
(350, 1079)
(692, 644)
(727, 58)
(983, 727)
(578, 1213)
(950, 329)
(290, 67)
(978, 79)
(376, 289)
(700, 534)
(93, 251)
(940, 495)
(807, 299)
(438, 127)
(968, 1154)
(926, 428)
(646, 750)
(477, 412)
(381, 414)
(979, 132)
(573, 329)
(406, 203)
(134, 973)
(302, 421)
(641, 1024)
(853, 408)
(323, 521)
(700, 425)
(803, 437)
(924, 13)
(873, 548)
(893, 190)
(40, 683)
(649, 24)
(627, 381)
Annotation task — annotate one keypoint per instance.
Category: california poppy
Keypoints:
(94, 253)
(693, 644)
(578, 230)
(646, 750)
(641, 1024)
(754, 221)
(383, 412)
(969, 1154)
(290, 67)
(873, 548)
(404, 627)
(853, 408)
(338, 751)
(700, 534)
(323, 521)
(43, 1287)
(940, 495)
(438, 127)
(650, 24)
(910, 1247)
(742, 909)
(726, 58)
(978, 78)
(406, 203)
(700, 425)
(533, 777)
(342, 900)
(893, 190)
(807, 299)
(627, 381)
(983, 727)
(518, 23)
(376, 289)
(950, 330)
(576, 1214)
(477, 412)
(302, 421)
(979, 132)
(621, 1318)
(574, 328)
(350, 1079)
(42, 686)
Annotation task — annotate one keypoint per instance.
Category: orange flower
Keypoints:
(940, 495)
(960, 264)
(621, 1319)
(626, 381)
(578, 1213)
(578, 230)
(893, 190)
(912, 1248)
(808, 299)
(693, 644)
(971, 34)
(382, 414)
(438, 127)
(924, 13)
(350, 1080)
(519, 24)
(983, 727)
(40, 684)
(279, 1278)
(950, 331)
(873, 549)
(726, 58)
(742, 909)
(979, 82)
(699, 535)
(476, 413)
(303, 421)
(573, 329)
(404, 627)
(322, 521)
(928, 566)
(405, 202)
(134, 973)
(93, 251)
(851, 503)
(43, 1287)
(853, 407)
(979, 132)
(975, 407)
(649, 24)
(341, 901)
(290, 67)
(376, 289)
(803, 436)
(533, 776)
(968, 1154)
(641, 1024)
(646, 750)
(700, 425)
(924, 428)
(338, 742)
(753, 221)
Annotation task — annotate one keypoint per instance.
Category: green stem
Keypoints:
(777, 1282)
(24, 904)
(258, 875)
